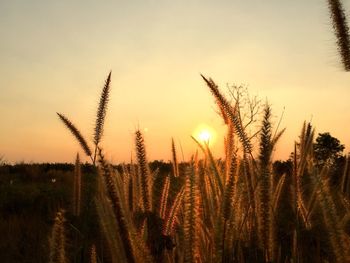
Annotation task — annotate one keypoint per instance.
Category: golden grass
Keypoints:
(232, 210)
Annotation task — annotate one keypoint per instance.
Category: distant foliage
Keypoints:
(327, 148)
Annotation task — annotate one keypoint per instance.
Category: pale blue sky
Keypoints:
(55, 56)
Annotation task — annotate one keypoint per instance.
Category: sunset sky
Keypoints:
(55, 56)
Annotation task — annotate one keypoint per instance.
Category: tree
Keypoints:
(327, 149)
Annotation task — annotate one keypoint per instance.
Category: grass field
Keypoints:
(243, 208)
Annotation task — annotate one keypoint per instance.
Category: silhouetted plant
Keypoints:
(341, 29)
(240, 209)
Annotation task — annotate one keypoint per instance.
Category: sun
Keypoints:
(204, 134)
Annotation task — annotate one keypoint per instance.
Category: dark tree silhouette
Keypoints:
(327, 149)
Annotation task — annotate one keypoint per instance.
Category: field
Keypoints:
(244, 208)
(246, 205)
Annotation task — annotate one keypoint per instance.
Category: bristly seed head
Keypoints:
(102, 109)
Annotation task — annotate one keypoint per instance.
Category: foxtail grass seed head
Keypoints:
(71, 127)
(102, 110)
(341, 30)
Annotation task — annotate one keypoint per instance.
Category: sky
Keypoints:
(55, 56)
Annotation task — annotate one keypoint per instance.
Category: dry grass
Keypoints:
(58, 240)
(341, 30)
(232, 210)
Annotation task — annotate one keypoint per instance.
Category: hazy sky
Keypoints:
(55, 56)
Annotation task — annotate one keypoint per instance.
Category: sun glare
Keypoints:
(205, 134)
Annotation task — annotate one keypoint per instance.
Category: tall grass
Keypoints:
(58, 240)
(233, 210)
(341, 30)
(77, 187)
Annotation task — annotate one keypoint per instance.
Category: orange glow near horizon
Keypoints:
(157, 51)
